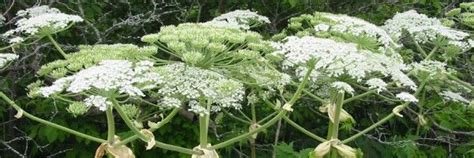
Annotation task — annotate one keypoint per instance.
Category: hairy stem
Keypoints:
(204, 127)
(51, 124)
(128, 122)
(303, 130)
(159, 125)
(56, 45)
(110, 124)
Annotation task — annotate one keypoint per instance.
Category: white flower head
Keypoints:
(42, 20)
(6, 58)
(455, 97)
(98, 102)
(238, 19)
(338, 59)
(109, 75)
(424, 29)
(377, 83)
(193, 83)
(343, 87)
(404, 96)
(170, 102)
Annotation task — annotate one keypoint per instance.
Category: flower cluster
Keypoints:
(41, 20)
(91, 55)
(206, 46)
(425, 29)
(431, 70)
(340, 26)
(193, 83)
(238, 19)
(455, 97)
(404, 96)
(339, 59)
(6, 58)
(108, 78)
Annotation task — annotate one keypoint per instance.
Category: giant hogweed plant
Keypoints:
(209, 67)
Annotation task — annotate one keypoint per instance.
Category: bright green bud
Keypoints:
(151, 38)
(75, 66)
(454, 12)
(193, 57)
(216, 47)
(77, 108)
(236, 39)
(447, 22)
(199, 43)
(33, 89)
(279, 36)
(466, 5)
(168, 38)
(58, 73)
(131, 110)
(252, 36)
(295, 25)
(247, 54)
(177, 46)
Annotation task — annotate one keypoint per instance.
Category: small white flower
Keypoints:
(97, 101)
(404, 96)
(424, 29)
(237, 19)
(455, 97)
(343, 87)
(42, 18)
(16, 40)
(109, 75)
(6, 58)
(321, 27)
(198, 109)
(170, 102)
(376, 83)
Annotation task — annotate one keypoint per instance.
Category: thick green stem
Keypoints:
(159, 125)
(337, 100)
(128, 122)
(177, 148)
(433, 51)
(57, 46)
(303, 130)
(54, 125)
(280, 114)
(421, 50)
(250, 133)
(204, 126)
(253, 149)
(110, 124)
(359, 96)
(383, 120)
(463, 83)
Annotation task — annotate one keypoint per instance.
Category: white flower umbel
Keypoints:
(170, 102)
(404, 96)
(42, 20)
(342, 23)
(339, 59)
(109, 76)
(6, 58)
(424, 29)
(455, 97)
(194, 83)
(197, 109)
(98, 102)
(343, 86)
(377, 83)
(238, 19)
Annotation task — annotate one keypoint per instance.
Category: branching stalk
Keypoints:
(56, 45)
(51, 124)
